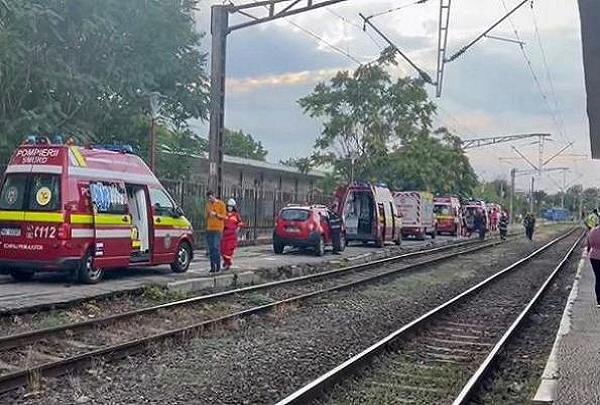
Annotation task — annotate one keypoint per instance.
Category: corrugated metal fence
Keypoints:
(257, 206)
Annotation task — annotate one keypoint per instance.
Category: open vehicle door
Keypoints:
(111, 225)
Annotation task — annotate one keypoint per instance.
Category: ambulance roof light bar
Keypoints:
(125, 149)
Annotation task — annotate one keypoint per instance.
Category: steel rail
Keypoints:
(19, 378)
(475, 379)
(10, 341)
(313, 389)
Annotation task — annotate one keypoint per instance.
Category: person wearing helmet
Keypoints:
(233, 223)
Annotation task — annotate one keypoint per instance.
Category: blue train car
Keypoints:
(556, 214)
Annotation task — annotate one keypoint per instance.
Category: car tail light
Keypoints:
(64, 232)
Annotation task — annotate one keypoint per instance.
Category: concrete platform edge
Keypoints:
(546, 392)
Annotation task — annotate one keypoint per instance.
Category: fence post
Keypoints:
(255, 215)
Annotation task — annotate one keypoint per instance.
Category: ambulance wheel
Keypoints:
(22, 275)
(183, 258)
(87, 273)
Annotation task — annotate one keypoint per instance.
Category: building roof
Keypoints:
(258, 164)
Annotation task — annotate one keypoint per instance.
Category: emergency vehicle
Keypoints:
(369, 213)
(86, 210)
(469, 211)
(448, 215)
(416, 210)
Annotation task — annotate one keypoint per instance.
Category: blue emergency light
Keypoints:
(116, 148)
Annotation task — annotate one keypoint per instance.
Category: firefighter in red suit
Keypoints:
(233, 223)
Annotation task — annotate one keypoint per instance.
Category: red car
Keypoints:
(312, 226)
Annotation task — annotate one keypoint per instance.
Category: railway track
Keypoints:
(442, 356)
(54, 351)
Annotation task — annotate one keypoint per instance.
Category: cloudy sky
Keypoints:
(488, 91)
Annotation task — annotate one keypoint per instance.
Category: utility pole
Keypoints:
(154, 98)
(220, 29)
(444, 24)
(532, 191)
(513, 173)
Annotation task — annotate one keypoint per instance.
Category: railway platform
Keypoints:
(252, 264)
(571, 373)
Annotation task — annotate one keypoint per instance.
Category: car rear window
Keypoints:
(295, 215)
(30, 192)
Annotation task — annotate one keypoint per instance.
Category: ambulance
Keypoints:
(369, 213)
(447, 210)
(416, 209)
(86, 210)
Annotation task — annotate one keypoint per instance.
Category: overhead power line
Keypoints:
(535, 78)
(547, 68)
(426, 78)
(392, 10)
(314, 35)
(465, 48)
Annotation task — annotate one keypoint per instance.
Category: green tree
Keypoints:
(86, 68)
(240, 144)
(378, 129)
(365, 113)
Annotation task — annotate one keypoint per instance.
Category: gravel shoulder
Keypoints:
(261, 359)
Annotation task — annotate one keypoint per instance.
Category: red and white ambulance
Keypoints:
(416, 209)
(448, 214)
(86, 210)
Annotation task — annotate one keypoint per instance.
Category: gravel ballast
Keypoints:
(262, 359)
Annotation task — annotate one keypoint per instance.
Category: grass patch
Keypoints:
(157, 293)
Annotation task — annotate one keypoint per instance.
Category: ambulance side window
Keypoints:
(13, 192)
(162, 204)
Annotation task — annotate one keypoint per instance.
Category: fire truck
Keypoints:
(86, 210)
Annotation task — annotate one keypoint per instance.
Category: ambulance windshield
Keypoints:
(441, 209)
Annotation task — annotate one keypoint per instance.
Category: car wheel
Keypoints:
(278, 247)
(22, 275)
(183, 258)
(87, 273)
(320, 248)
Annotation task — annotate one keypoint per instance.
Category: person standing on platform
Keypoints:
(233, 223)
(591, 221)
(593, 252)
(480, 224)
(215, 215)
(529, 224)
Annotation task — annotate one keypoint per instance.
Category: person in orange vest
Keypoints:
(233, 223)
(215, 214)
